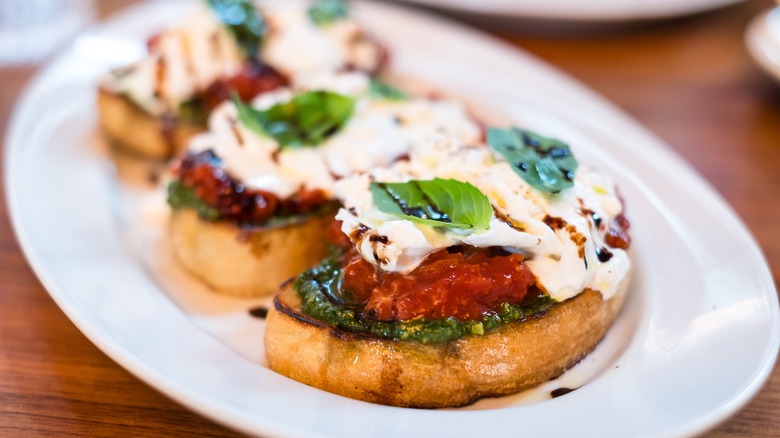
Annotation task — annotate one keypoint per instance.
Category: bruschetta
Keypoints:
(467, 272)
(154, 106)
(253, 196)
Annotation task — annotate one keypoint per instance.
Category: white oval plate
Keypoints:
(762, 39)
(698, 336)
(580, 10)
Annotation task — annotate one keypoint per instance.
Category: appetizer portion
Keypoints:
(154, 106)
(466, 272)
(254, 196)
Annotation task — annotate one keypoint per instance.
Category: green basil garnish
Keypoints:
(244, 22)
(382, 90)
(438, 202)
(545, 163)
(324, 12)
(306, 120)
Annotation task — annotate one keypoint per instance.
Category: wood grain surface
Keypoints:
(688, 80)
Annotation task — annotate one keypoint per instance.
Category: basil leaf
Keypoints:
(324, 12)
(382, 90)
(246, 114)
(306, 120)
(245, 24)
(438, 202)
(545, 163)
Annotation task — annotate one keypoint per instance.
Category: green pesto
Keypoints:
(193, 111)
(317, 287)
(180, 197)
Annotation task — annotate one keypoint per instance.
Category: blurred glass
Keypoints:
(30, 30)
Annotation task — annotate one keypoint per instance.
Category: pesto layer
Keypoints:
(319, 290)
(180, 196)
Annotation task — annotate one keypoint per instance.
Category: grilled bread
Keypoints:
(138, 132)
(511, 358)
(247, 261)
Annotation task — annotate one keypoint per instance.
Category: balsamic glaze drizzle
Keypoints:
(259, 312)
(429, 211)
(561, 391)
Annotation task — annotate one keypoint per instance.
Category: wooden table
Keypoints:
(688, 80)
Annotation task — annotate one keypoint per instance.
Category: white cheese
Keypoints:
(563, 259)
(184, 60)
(189, 57)
(372, 137)
(298, 46)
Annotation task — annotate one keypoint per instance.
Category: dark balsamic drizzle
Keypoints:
(427, 212)
(377, 238)
(507, 220)
(358, 232)
(380, 260)
(259, 312)
(603, 254)
(561, 391)
(554, 222)
(237, 134)
(527, 139)
(596, 219)
(585, 211)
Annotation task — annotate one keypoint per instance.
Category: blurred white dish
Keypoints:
(762, 39)
(580, 10)
(696, 340)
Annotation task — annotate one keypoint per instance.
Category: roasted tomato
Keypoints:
(460, 282)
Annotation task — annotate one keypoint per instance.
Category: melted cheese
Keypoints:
(191, 56)
(377, 134)
(555, 233)
(316, 48)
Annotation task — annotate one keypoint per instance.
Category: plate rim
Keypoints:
(543, 11)
(241, 422)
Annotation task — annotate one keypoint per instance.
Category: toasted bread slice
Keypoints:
(138, 132)
(247, 261)
(514, 357)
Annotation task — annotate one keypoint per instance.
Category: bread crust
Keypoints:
(138, 132)
(247, 261)
(510, 359)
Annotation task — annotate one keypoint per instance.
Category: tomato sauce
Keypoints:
(460, 282)
(202, 173)
(617, 233)
(253, 79)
